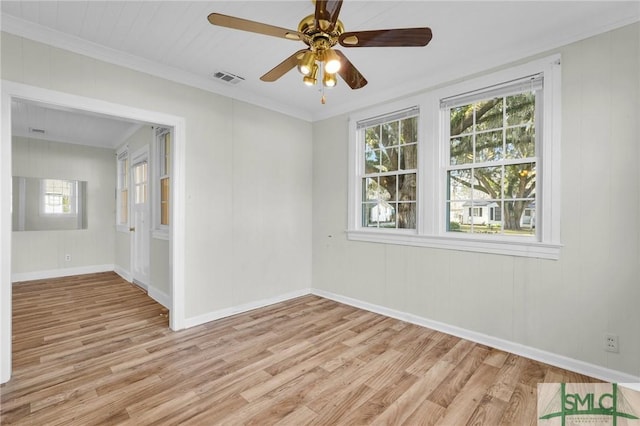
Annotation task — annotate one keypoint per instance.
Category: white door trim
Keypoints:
(12, 90)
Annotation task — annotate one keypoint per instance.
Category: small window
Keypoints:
(58, 197)
(162, 205)
(122, 194)
(389, 156)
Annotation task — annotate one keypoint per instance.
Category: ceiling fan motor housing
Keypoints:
(318, 38)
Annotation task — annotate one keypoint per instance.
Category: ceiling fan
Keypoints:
(321, 32)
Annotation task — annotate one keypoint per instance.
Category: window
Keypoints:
(162, 207)
(473, 166)
(58, 197)
(140, 183)
(491, 151)
(122, 190)
(389, 163)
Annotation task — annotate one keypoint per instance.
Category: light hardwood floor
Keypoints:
(96, 350)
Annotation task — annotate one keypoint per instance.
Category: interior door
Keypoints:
(140, 221)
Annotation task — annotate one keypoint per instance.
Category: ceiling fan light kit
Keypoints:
(321, 32)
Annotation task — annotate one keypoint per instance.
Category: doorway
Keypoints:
(21, 92)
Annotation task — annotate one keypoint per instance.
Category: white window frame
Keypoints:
(431, 228)
(122, 161)
(160, 231)
(73, 199)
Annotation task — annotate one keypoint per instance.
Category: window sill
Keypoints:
(518, 248)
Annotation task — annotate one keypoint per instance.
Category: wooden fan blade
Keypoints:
(387, 38)
(349, 73)
(327, 12)
(252, 26)
(283, 67)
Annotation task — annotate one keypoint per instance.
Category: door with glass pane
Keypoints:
(140, 229)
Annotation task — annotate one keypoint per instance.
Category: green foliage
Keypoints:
(491, 131)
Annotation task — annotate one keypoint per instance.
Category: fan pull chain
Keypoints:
(323, 99)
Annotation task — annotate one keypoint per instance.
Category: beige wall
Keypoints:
(248, 175)
(565, 306)
(35, 251)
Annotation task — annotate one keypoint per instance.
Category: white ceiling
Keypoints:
(39, 121)
(174, 40)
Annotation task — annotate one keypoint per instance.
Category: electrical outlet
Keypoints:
(611, 343)
(67, 258)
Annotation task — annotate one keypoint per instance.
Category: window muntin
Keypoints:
(492, 162)
(58, 197)
(390, 163)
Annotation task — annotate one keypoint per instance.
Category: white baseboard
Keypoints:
(126, 275)
(223, 313)
(160, 297)
(550, 358)
(62, 272)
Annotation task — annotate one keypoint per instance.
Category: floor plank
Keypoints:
(95, 349)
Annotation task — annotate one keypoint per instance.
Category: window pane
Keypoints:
(489, 114)
(461, 119)
(455, 215)
(489, 146)
(380, 214)
(487, 183)
(520, 180)
(367, 215)
(372, 137)
(167, 153)
(390, 133)
(519, 217)
(370, 189)
(124, 206)
(521, 142)
(408, 157)
(164, 201)
(407, 187)
(372, 160)
(409, 130)
(407, 215)
(388, 188)
(461, 150)
(389, 157)
(459, 184)
(520, 109)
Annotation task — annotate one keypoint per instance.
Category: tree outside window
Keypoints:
(492, 164)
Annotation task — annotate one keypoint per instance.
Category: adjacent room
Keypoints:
(317, 212)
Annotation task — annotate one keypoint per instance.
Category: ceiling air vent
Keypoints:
(34, 130)
(227, 77)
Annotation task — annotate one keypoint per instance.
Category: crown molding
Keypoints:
(39, 33)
